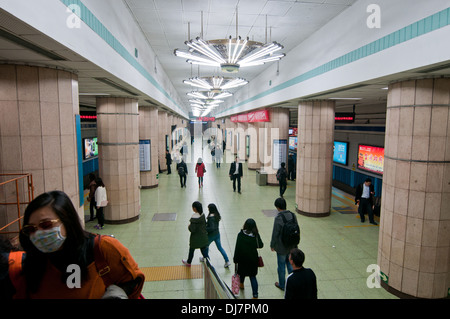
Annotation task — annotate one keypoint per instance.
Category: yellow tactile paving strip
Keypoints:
(172, 273)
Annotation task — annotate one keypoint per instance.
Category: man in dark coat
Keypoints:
(168, 162)
(302, 282)
(236, 174)
(182, 171)
(364, 200)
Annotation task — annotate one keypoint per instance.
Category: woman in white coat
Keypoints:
(102, 201)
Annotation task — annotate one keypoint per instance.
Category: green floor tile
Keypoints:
(340, 270)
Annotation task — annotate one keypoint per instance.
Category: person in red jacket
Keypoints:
(200, 170)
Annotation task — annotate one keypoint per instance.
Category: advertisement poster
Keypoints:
(90, 148)
(279, 154)
(371, 158)
(145, 164)
(293, 143)
(340, 152)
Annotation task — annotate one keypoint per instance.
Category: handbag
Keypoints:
(260, 262)
(235, 283)
(103, 203)
(260, 259)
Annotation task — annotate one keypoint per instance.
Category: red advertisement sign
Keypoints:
(243, 118)
(206, 119)
(257, 116)
(371, 158)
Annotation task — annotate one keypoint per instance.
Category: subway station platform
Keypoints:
(338, 248)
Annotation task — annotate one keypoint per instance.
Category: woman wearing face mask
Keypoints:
(53, 239)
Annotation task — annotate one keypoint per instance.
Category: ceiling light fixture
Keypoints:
(209, 95)
(216, 83)
(230, 54)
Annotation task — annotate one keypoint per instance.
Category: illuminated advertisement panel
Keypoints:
(371, 158)
(340, 152)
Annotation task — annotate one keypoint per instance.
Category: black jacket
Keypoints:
(233, 169)
(168, 159)
(182, 164)
(301, 284)
(359, 191)
(246, 255)
(212, 225)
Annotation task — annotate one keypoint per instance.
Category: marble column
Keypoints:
(38, 132)
(163, 131)
(118, 140)
(240, 133)
(254, 162)
(414, 240)
(148, 130)
(315, 157)
(276, 129)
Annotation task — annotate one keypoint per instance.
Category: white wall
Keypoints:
(50, 17)
(345, 33)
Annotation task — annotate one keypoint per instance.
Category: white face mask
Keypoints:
(49, 240)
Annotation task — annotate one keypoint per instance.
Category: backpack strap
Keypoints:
(103, 269)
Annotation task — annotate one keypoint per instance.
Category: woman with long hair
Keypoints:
(212, 227)
(246, 254)
(53, 239)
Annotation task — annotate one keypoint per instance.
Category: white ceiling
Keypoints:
(165, 24)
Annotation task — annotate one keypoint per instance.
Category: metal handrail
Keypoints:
(215, 287)
(30, 188)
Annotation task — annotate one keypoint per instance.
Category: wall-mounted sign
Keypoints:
(206, 119)
(256, 116)
(371, 158)
(279, 153)
(344, 117)
(145, 163)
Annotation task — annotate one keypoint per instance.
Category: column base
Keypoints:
(396, 292)
(312, 214)
(122, 221)
(149, 187)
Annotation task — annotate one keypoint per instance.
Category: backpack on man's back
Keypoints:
(290, 233)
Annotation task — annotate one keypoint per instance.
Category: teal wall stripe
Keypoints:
(434, 22)
(80, 159)
(91, 20)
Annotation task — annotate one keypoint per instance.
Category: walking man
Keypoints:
(364, 200)
(236, 174)
(284, 240)
(182, 171)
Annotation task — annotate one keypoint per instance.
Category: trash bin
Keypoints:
(261, 178)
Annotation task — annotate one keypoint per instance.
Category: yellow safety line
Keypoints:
(172, 273)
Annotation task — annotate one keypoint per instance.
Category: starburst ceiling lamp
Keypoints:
(209, 95)
(230, 54)
(203, 107)
(216, 84)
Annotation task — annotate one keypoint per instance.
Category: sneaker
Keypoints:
(227, 264)
(185, 263)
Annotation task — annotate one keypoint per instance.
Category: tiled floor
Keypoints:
(338, 248)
